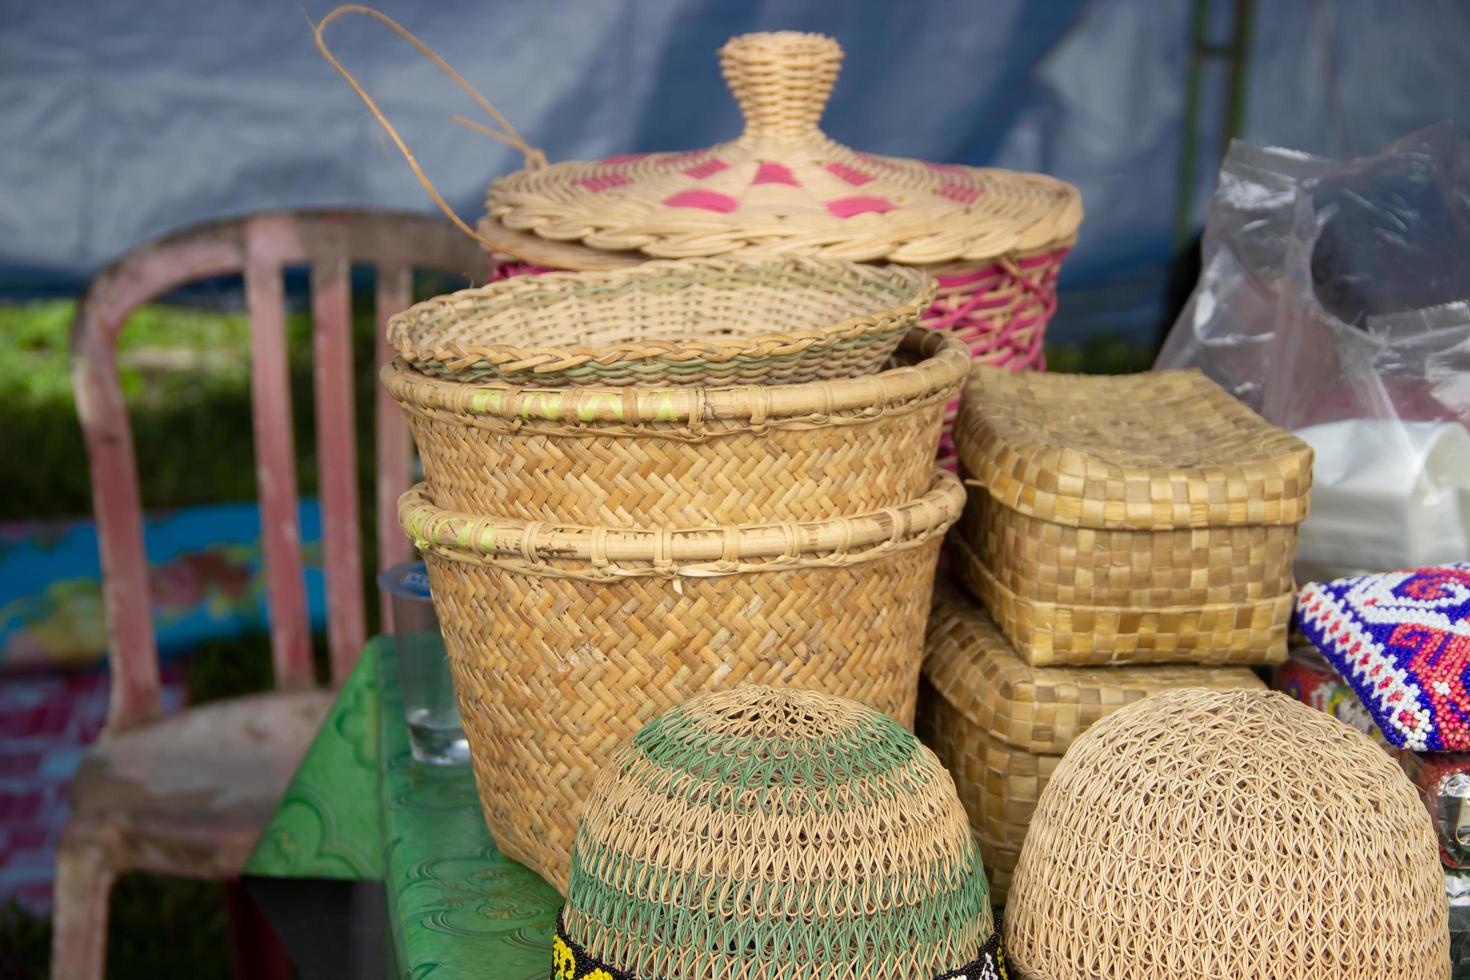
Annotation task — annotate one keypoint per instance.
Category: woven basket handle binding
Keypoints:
(507, 134)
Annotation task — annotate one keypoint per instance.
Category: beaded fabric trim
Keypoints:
(570, 961)
(1402, 640)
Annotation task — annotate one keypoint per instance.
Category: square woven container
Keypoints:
(1148, 518)
(1001, 726)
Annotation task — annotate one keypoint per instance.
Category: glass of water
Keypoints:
(434, 732)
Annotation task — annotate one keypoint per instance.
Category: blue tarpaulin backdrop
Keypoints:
(123, 121)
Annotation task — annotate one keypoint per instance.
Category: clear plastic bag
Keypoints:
(1334, 298)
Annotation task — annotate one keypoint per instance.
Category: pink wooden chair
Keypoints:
(187, 794)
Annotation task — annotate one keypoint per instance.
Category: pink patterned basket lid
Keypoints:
(781, 186)
(1402, 640)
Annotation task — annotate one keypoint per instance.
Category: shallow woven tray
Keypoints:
(685, 456)
(1048, 634)
(564, 640)
(711, 321)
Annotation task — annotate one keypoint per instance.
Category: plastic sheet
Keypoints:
(1335, 299)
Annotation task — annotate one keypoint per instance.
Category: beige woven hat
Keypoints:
(783, 186)
(1197, 835)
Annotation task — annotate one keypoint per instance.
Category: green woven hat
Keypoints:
(768, 833)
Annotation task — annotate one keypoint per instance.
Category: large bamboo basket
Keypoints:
(685, 456)
(1149, 518)
(564, 640)
(1001, 726)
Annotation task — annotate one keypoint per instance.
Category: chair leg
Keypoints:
(79, 930)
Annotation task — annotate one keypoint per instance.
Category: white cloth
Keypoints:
(1385, 495)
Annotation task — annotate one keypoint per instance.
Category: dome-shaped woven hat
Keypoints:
(769, 833)
(1212, 834)
(782, 186)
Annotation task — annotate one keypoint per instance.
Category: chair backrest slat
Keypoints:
(336, 450)
(268, 247)
(395, 449)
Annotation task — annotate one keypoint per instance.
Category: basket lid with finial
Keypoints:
(782, 186)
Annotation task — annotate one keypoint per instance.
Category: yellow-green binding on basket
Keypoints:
(685, 456)
(707, 322)
(564, 640)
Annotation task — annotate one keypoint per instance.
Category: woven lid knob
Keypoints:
(781, 81)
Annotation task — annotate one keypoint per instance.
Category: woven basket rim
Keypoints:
(454, 334)
(944, 363)
(984, 697)
(693, 551)
(784, 185)
(1021, 460)
(573, 256)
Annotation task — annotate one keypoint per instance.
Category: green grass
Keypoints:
(190, 414)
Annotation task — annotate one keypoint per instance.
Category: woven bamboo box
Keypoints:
(1001, 726)
(1147, 518)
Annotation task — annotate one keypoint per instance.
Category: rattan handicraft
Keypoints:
(684, 456)
(706, 322)
(1000, 726)
(564, 640)
(769, 834)
(1139, 519)
(994, 239)
(1205, 834)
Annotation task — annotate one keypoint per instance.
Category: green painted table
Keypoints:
(360, 808)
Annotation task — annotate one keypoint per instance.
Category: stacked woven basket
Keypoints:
(644, 484)
(1126, 536)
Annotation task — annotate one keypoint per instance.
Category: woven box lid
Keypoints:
(783, 185)
(1039, 709)
(1150, 451)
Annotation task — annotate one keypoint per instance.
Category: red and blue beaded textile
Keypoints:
(1402, 640)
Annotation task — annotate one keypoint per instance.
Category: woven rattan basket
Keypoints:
(1136, 519)
(1197, 835)
(793, 835)
(564, 640)
(705, 322)
(994, 239)
(684, 456)
(1000, 725)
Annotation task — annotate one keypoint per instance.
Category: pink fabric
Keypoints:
(846, 207)
(622, 158)
(852, 175)
(774, 173)
(705, 200)
(703, 170)
(603, 182)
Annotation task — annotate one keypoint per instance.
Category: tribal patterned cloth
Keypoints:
(1402, 640)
